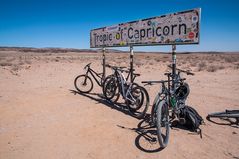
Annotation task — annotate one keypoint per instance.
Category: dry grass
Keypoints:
(231, 59)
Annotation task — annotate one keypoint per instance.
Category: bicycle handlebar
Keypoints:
(155, 82)
(114, 67)
(161, 81)
(121, 69)
(180, 70)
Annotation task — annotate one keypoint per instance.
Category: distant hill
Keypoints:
(65, 50)
(55, 50)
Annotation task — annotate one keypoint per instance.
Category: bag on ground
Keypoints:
(192, 119)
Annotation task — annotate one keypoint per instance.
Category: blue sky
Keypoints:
(67, 23)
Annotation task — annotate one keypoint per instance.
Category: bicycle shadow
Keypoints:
(146, 140)
(93, 96)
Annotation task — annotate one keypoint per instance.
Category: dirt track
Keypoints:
(42, 118)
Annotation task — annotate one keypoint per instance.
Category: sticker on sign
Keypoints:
(172, 29)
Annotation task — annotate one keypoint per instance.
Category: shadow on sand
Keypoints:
(100, 99)
(146, 140)
(233, 122)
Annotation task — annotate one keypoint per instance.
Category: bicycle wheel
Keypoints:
(162, 123)
(153, 116)
(138, 101)
(111, 90)
(105, 81)
(83, 83)
(229, 117)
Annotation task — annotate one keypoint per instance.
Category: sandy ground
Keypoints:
(40, 117)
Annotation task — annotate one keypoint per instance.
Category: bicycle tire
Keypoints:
(153, 110)
(142, 101)
(111, 90)
(162, 121)
(85, 78)
(134, 86)
(105, 81)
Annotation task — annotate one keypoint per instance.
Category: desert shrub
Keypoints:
(28, 62)
(193, 63)
(139, 63)
(212, 68)
(201, 66)
(147, 57)
(151, 63)
(221, 67)
(15, 68)
(165, 57)
(21, 63)
(236, 66)
(230, 59)
(157, 59)
(5, 63)
(184, 62)
(11, 59)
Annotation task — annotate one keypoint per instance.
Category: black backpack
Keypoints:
(192, 119)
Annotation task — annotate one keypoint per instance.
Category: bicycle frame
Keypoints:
(168, 95)
(121, 80)
(95, 75)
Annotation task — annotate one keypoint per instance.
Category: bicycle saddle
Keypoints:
(136, 74)
(88, 65)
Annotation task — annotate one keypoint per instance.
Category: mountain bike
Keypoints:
(135, 96)
(84, 84)
(167, 105)
(130, 75)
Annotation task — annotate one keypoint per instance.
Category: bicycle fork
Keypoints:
(86, 75)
